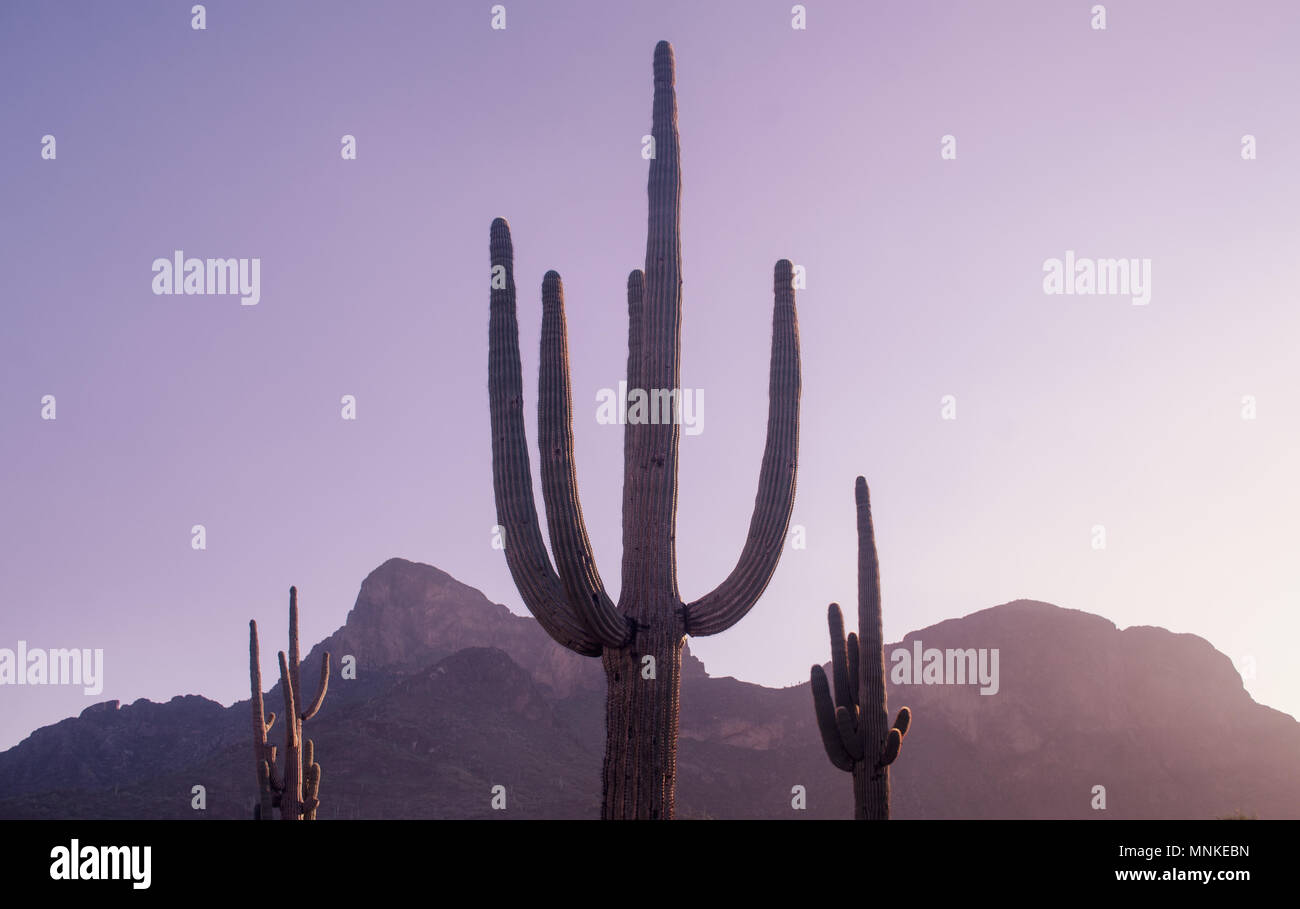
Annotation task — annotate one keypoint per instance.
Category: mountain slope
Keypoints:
(455, 695)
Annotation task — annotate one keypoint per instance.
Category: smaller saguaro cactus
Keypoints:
(296, 791)
(854, 726)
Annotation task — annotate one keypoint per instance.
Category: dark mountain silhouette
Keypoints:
(455, 695)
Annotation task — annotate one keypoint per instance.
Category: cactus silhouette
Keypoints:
(854, 726)
(640, 639)
(295, 792)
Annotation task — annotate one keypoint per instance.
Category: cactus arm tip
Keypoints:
(893, 744)
(903, 722)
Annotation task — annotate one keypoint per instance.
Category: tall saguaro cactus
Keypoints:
(296, 791)
(640, 639)
(855, 726)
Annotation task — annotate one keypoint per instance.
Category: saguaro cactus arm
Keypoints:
(839, 720)
(845, 686)
(321, 688)
(277, 781)
(261, 726)
(635, 306)
(854, 652)
(569, 541)
(903, 721)
(826, 724)
(850, 733)
(893, 742)
(311, 781)
(734, 597)
(290, 702)
(530, 566)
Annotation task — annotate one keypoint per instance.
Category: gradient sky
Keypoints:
(924, 279)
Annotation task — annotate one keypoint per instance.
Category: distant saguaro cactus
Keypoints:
(640, 640)
(295, 793)
(854, 726)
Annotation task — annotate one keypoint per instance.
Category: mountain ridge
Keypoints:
(1161, 719)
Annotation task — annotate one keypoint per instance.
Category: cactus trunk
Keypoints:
(266, 796)
(650, 471)
(873, 703)
(641, 770)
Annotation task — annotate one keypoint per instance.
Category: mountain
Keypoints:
(456, 695)
(1161, 720)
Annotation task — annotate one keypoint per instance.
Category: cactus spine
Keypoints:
(640, 639)
(855, 726)
(296, 791)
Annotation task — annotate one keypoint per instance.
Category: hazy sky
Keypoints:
(925, 279)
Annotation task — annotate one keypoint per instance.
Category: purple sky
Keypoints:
(924, 279)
